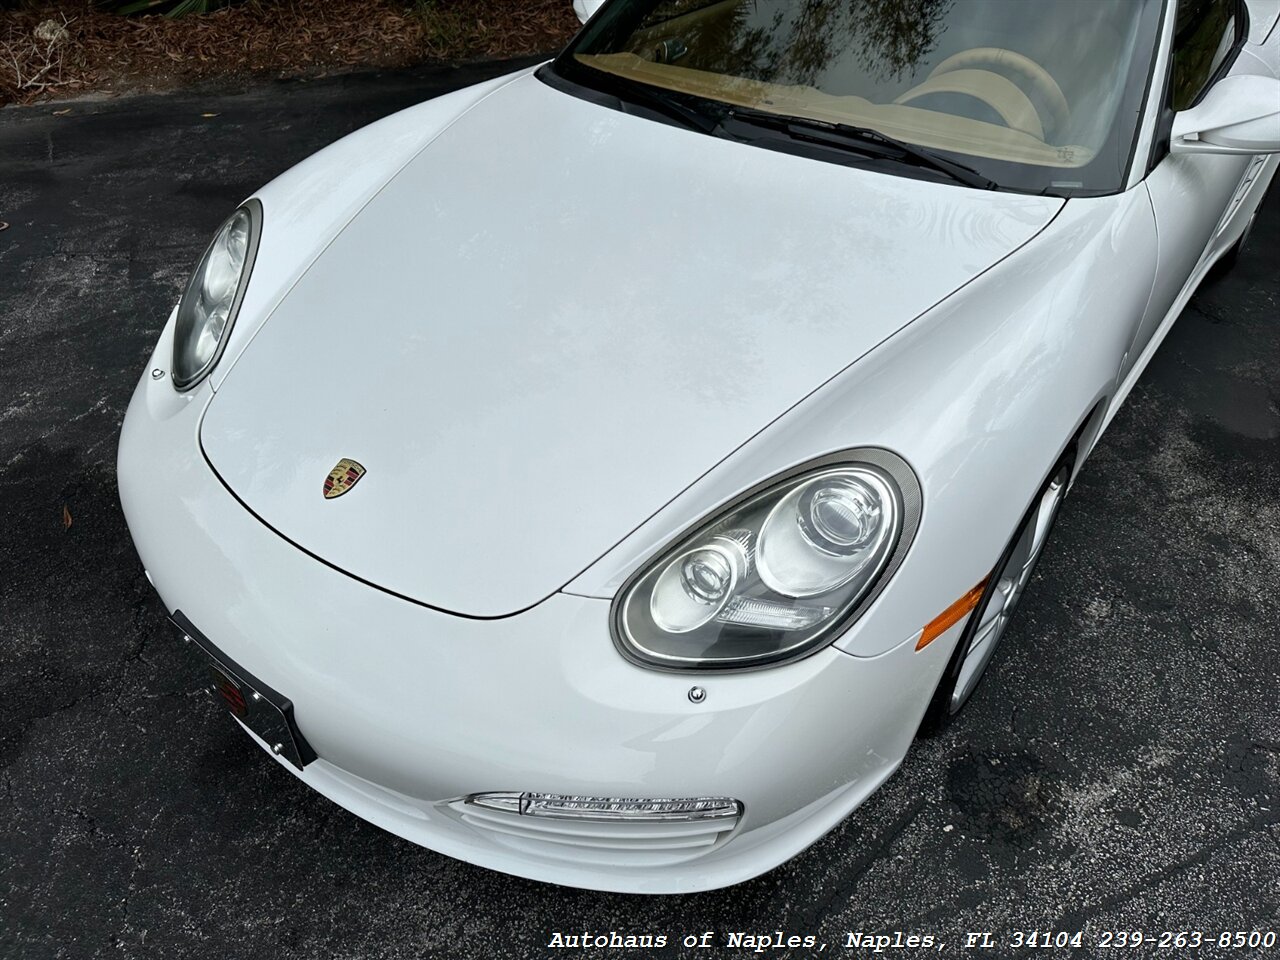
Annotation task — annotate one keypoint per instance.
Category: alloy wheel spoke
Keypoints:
(1011, 581)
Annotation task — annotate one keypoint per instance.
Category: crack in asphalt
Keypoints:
(854, 871)
(1078, 920)
(98, 406)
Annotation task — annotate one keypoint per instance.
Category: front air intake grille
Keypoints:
(633, 832)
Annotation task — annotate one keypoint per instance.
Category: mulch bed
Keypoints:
(52, 50)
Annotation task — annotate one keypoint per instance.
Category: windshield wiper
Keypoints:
(659, 101)
(863, 139)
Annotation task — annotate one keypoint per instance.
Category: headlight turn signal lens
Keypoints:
(949, 617)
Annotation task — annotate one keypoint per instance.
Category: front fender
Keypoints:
(980, 395)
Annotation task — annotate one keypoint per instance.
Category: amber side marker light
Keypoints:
(949, 617)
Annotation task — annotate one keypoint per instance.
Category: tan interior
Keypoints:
(1027, 70)
(1000, 94)
(1021, 141)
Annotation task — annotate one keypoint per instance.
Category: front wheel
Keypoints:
(1004, 590)
(1226, 263)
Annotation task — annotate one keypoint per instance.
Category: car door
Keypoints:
(1191, 194)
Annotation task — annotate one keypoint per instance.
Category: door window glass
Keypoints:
(1204, 36)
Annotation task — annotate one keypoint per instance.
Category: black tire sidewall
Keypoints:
(938, 715)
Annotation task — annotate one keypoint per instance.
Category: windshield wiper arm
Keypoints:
(652, 98)
(861, 138)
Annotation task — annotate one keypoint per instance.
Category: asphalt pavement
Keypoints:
(1119, 770)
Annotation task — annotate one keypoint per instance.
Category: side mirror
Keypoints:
(1239, 115)
(586, 9)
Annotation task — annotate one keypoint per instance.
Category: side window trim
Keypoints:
(1229, 61)
(1164, 122)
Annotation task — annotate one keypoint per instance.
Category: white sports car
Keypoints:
(601, 473)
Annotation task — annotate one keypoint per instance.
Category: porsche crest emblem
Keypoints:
(345, 475)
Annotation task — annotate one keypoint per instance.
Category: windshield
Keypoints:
(1035, 95)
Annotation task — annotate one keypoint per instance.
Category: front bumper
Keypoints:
(410, 709)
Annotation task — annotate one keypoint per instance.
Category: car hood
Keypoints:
(553, 320)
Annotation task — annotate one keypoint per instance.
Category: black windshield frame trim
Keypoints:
(559, 74)
(766, 140)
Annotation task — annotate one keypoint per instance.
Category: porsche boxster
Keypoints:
(603, 473)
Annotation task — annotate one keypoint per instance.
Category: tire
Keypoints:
(1227, 262)
(1005, 586)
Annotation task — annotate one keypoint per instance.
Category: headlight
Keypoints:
(212, 298)
(777, 575)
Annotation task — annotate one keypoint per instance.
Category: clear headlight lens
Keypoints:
(776, 576)
(213, 294)
(827, 532)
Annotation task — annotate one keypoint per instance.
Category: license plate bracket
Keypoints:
(259, 707)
